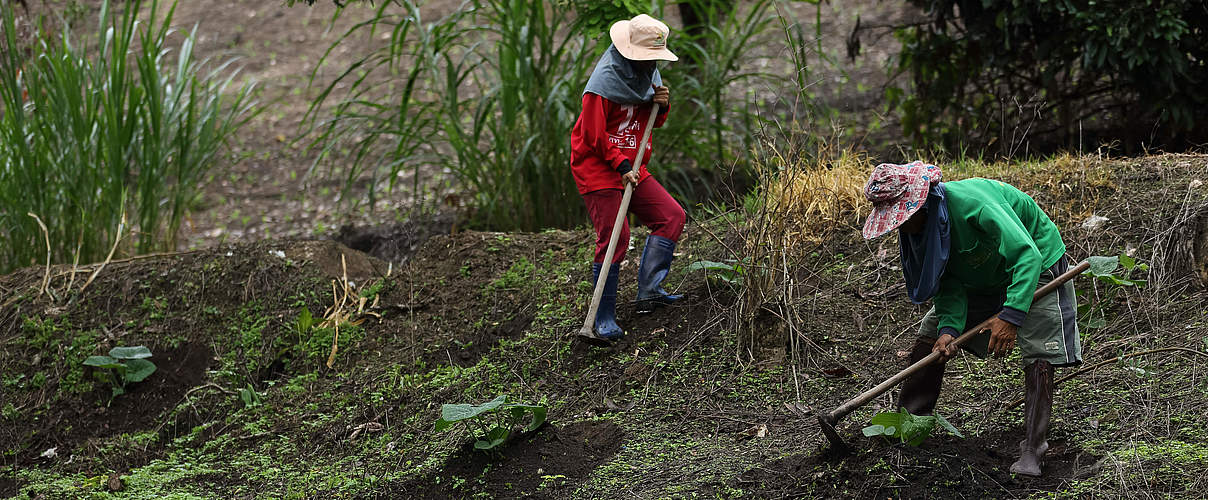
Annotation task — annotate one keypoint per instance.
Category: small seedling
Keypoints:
(123, 365)
(910, 429)
(250, 397)
(507, 415)
(304, 322)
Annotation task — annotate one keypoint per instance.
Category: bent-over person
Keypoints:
(979, 248)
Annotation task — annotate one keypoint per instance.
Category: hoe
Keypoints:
(827, 421)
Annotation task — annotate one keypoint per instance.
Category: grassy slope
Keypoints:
(475, 315)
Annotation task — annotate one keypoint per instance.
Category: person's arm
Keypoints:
(662, 94)
(951, 307)
(595, 132)
(1023, 260)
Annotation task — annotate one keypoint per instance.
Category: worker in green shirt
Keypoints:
(980, 248)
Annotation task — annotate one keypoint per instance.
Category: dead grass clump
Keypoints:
(803, 197)
(808, 199)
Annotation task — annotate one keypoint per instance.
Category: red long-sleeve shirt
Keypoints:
(605, 134)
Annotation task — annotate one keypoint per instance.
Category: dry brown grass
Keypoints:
(808, 199)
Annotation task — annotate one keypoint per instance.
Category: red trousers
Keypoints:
(655, 209)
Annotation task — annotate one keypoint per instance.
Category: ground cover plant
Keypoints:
(670, 411)
(910, 429)
(508, 415)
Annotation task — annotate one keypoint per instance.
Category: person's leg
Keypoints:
(602, 208)
(665, 218)
(1048, 338)
(921, 391)
(1037, 411)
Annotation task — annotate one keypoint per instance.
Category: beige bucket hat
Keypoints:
(642, 38)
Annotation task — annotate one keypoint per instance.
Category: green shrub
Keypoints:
(1022, 75)
(490, 93)
(116, 124)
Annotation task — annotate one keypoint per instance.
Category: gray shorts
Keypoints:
(1049, 333)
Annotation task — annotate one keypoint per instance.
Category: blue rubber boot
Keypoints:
(606, 316)
(656, 262)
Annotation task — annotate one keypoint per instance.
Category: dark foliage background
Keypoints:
(1017, 76)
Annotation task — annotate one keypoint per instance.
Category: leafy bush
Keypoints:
(489, 92)
(507, 416)
(1092, 314)
(996, 71)
(910, 429)
(91, 134)
(123, 366)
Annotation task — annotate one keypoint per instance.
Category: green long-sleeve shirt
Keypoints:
(1000, 240)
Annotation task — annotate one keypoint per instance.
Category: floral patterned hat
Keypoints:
(896, 193)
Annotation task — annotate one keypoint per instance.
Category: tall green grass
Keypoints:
(490, 92)
(117, 125)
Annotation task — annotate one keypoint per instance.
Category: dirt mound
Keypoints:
(946, 467)
(191, 309)
(335, 260)
(546, 463)
(398, 241)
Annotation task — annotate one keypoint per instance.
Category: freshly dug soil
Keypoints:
(550, 460)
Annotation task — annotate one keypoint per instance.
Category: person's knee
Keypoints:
(672, 226)
(679, 216)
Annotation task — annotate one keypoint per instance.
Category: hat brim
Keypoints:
(619, 33)
(886, 217)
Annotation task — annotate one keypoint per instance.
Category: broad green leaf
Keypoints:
(1095, 321)
(305, 320)
(494, 438)
(890, 431)
(100, 361)
(442, 424)
(136, 352)
(709, 265)
(453, 413)
(1103, 266)
(916, 428)
(139, 369)
(1113, 279)
(888, 419)
(538, 412)
(1127, 262)
(874, 430)
(948, 425)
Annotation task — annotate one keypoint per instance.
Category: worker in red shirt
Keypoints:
(604, 143)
